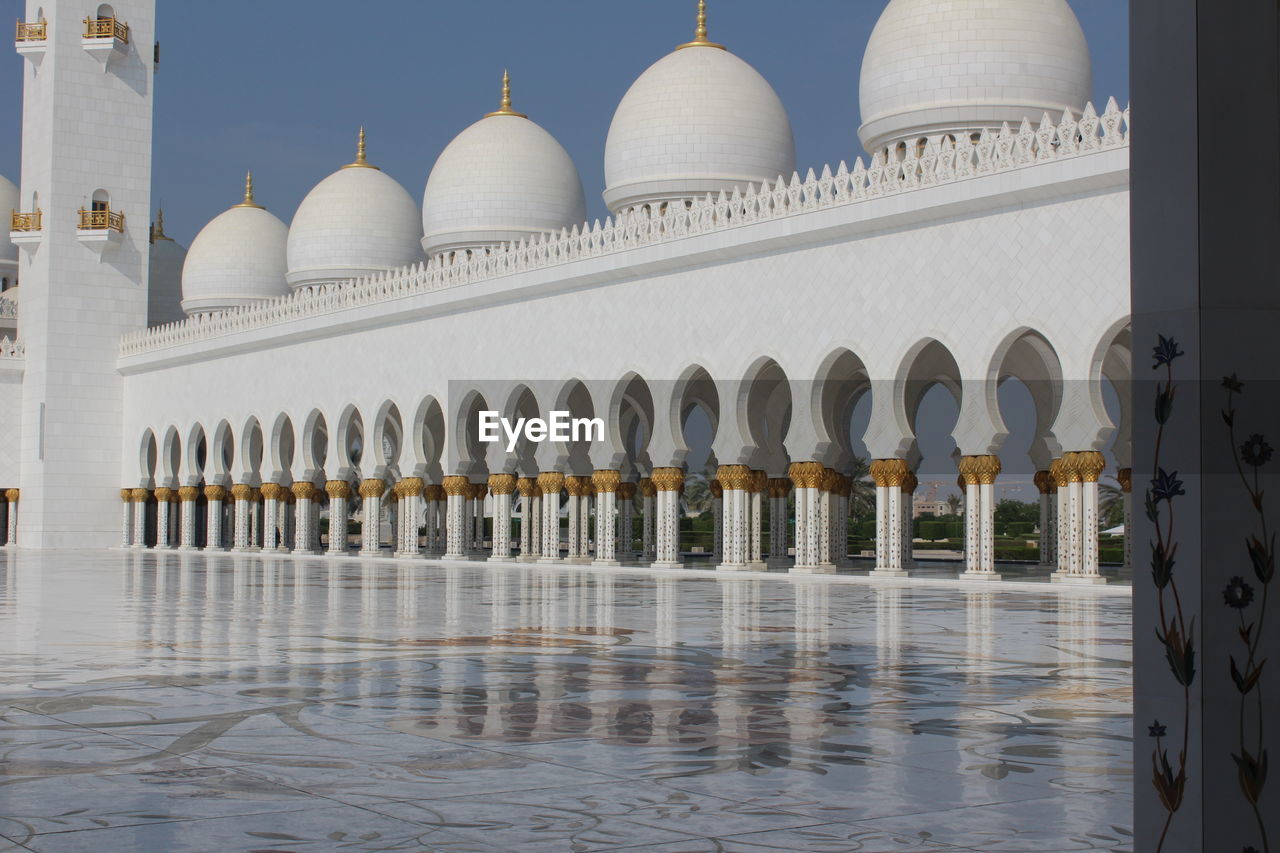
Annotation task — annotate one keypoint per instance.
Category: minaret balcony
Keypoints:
(99, 229)
(26, 228)
(104, 38)
(32, 39)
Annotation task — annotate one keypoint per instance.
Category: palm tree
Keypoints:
(953, 504)
(862, 497)
(697, 494)
(1110, 505)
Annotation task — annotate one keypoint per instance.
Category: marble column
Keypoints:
(478, 493)
(433, 497)
(525, 487)
(1062, 520)
(1082, 470)
(826, 485)
(626, 512)
(807, 476)
(139, 498)
(458, 527)
(288, 520)
(755, 520)
(255, 519)
(392, 506)
(371, 492)
(1125, 477)
(550, 483)
(271, 493)
(240, 494)
(889, 475)
(339, 492)
(648, 511)
(164, 499)
(11, 521)
(306, 536)
(717, 522)
(1044, 484)
(126, 518)
(411, 515)
(576, 487)
(779, 520)
(980, 474)
(907, 506)
(584, 529)
(215, 496)
(187, 505)
(606, 483)
(667, 482)
(502, 487)
(735, 481)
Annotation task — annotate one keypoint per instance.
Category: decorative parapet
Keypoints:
(935, 165)
(12, 349)
(8, 309)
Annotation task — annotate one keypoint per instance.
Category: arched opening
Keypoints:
(101, 201)
(106, 12)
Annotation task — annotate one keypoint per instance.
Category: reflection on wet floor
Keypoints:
(173, 702)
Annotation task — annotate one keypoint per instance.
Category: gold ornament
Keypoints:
(526, 486)
(735, 478)
(215, 493)
(502, 484)
(372, 488)
(272, 491)
(456, 486)
(140, 495)
(717, 490)
(241, 492)
(1125, 476)
(668, 479)
(551, 483)
(338, 489)
(1090, 464)
(576, 486)
(187, 494)
(647, 488)
(806, 475)
(606, 481)
(303, 491)
(412, 487)
(164, 494)
(1043, 481)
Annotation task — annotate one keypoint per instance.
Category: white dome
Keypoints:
(356, 222)
(502, 179)
(9, 201)
(936, 67)
(164, 282)
(699, 120)
(237, 259)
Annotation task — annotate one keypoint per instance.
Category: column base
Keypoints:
(188, 548)
(733, 567)
(215, 549)
(813, 570)
(306, 552)
(551, 561)
(409, 555)
(528, 558)
(666, 564)
(606, 563)
(890, 573)
(758, 566)
(1088, 580)
(971, 575)
(500, 558)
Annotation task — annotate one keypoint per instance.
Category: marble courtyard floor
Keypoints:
(173, 702)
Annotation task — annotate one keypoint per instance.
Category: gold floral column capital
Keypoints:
(215, 493)
(164, 494)
(241, 492)
(910, 483)
(890, 473)
(272, 491)
(412, 487)
(626, 491)
(1058, 475)
(502, 484)
(606, 481)
(140, 495)
(646, 487)
(304, 490)
(187, 494)
(759, 482)
(527, 487)
(806, 475)
(457, 486)
(1044, 482)
(551, 482)
(988, 469)
(11, 495)
(338, 489)
(1071, 467)
(372, 488)
(717, 490)
(576, 486)
(1089, 465)
(668, 479)
(779, 487)
(1125, 476)
(126, 495)
(433, 492)
(734, 477)
(969, 469)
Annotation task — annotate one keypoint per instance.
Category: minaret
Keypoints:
(86, 146)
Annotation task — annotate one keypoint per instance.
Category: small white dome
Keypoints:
(699, 120)
(356, 222)
(164, 282)
(937, 67)
(237, 259)
(504, 178)
(9, 201)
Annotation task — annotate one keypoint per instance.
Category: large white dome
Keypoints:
(937, 67)
(699, 120)
(356, 222)
(502, 179)
(164, 281)
(237, 259)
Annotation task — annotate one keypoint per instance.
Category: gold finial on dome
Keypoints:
(248, 194)
(157, 230)
(700, 34)
(504, 108)
(361, 162)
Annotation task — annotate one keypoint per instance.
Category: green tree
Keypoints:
(862, 497)
(953, 504)
(1110, 505)
(1010, 510)
(697, 494)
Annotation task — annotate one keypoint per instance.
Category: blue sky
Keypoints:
(280, 86)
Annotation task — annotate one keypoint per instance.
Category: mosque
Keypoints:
(273, 381)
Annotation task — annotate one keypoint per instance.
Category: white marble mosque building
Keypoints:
(225, 398)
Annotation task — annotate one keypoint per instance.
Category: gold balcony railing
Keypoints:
(27, 221)
(105, 28)
(37, 31)
(101, 220)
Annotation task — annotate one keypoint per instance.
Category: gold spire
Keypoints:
(157, 230)
(248, 194)
(361, 162)
(504, 109)
(700, 34)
